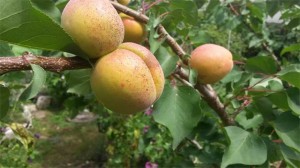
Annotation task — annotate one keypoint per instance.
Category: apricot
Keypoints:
(124, 2)
(212, 62)
(127, 80)
(134, 30)
(94, 25)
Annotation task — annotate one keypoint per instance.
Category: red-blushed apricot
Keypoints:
(127, 80)
(212, 62)
(94, 25)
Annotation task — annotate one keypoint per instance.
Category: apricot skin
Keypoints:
(124, 2)
(126, 82)
(212, 62)
(94, 25)
(134, 30)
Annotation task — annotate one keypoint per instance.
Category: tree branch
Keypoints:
(160, 29)
(207, 91)
(8, 64)
(54, 64)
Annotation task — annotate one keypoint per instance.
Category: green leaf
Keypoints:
(23, 24)
(255, 11)
(47, 7)
(4, 101)
(261, 64)
(287, 126)
(60, 4)
(245, 148)
(279, 99)
(193, 74)
(36, 84)
(179, 110)
(293, 98)
(263, 106)
(184, 10)
(291, 157)
(167, 60)
(19, 50)
(291, 48)
(79, 81)
(5, 49)
(249, 122)
(291, 74)
(274, 153)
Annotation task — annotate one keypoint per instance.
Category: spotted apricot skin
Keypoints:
(134, 30)
(127, 80)
(94, 25)
(212, 62)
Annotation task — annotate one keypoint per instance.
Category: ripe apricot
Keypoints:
(94, 25)
(134, 30)
(212, 62)
(128, 80)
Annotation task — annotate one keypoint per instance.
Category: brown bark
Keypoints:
(54, 64)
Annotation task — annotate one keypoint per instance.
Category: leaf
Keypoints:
(19, 50)
(154, 40)
(274, 153)
(291, 74)
(4, 101)
(184, 10)
(255, 11)
(166, 60)
(47, 7)
(79, 81)
(279, 99)
(261, 64)
(23, 135)
(291, 48)
(179, 110)
(248, 122)
(60, 4)
(36, 84)
(25, 25)
(263, 106)
(245, 148)
(287, 126)
(193, 74)
(291, 157)
(5, 49)
(293, 99)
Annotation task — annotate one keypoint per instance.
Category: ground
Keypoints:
(62, 142)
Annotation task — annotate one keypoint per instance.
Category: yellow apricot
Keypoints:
(127, 80)
(134, 30)
(94, 25)
(212, 62)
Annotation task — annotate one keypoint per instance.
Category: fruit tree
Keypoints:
(178, 83)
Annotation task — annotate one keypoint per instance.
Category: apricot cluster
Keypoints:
(127, 78)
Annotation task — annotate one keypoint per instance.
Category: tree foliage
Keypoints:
(261, 94)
